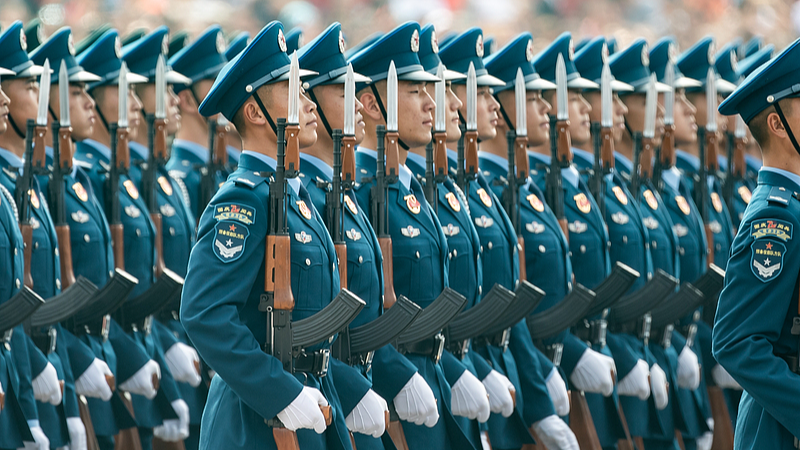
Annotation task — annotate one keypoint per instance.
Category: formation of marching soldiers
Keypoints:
(416, 243)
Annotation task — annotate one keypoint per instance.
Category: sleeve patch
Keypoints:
(229, 240)
(236, 212)
(767, 259)
(771, 228)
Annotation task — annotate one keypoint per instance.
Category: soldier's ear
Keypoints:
(371, 108)
(775, 126)
(186, 101)
(252, 114)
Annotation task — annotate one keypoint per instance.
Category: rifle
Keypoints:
(559, 158)
(563, 315)
(334, 208)
(597, 180)
(735, 171)
(18, 308)
(217, 161)
(518, 166)
(526, 298)
(644, 143)
(665, 154)
(157, 143)
(22, 197)
(380, 210)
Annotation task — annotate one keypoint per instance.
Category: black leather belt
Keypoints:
(663, 336)
(97, 328)
(498, 340)
(459, 349)
(639, 328)
(431, 347)
(593, 332)
(315, 363)
(341, 351)
(45, 341)
(552, 351)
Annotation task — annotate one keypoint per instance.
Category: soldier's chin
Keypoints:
(308, 138)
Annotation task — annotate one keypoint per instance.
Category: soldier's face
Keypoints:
(147, 95)
(580, 124)
(620, 110)
(698, 100)
(451, 116)
(81, 109)
(23, 95)
(108, 103)
(487, 110)
(685, 119)
(636, 104)
(4, 101)
(722, 120)
(331, 101)
(414, 113)
(538, 120)
(279, 107)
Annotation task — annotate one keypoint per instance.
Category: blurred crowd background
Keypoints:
(688, 20)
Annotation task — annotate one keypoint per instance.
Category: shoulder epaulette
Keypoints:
(250, 179)
(82, 164)
(10, 173)
(779, 195)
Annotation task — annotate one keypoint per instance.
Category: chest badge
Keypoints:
(484, 222)
(304, 209)
(80, 191)
(412, 203)
(745, 193)
(621, 196)
(534, 227)
(35, 224)
(650, 198)
(302, 237)
(577, 227)
(715, 227)
(620, 218)
(410, 231)
(450, 230)
(132, 211)
(34, 198)
(537, 204)
(486, 199)
(165, 185)
(716, 201)
(350, 204)
(680, 230)
(583, 203)
(80, 217)
(650, 223)
(167, 210)
(131, 188)
(452, 200)
(353, 234)
(683, 205)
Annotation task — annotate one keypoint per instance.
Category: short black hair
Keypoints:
(758, 126)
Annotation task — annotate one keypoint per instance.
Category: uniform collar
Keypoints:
(405, 174)
(672, 177)
(269, 161)
(571, 175)
(620, 158)
(98, 147)
(499, 160)
(48, 151)
(11, 158)
(194, 148)
(140, 150)
(416, 159)
(690, 159)
(793, 177)
(319, 164)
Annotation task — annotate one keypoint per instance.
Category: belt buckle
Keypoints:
(556, 350)
(599, 332)
(666, 338)
(647, 320)
(106, 327)
(7, 339)
(438, 348)
(323, 357)
(463, 349)
(53, 335)
(366, 359)
(147, 326)
(505, 336)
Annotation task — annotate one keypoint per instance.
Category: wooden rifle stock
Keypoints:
(292, 158)
(581, 423)
(39, 161)
(221, 146)
(392, 154)
(522, 169)
(646, 160)
(564, 142)
(389, 297)
(723, 430)
(160, 139)
(27, 251)
(607, 148)
(286, 439)
(349, 159)
(739, 167)
(668, 147)
(440, 155)
(158, 242)
(123, 152)
(118, 244)
(277, 277)
(65, 253)
(712, 148)
(471, 152)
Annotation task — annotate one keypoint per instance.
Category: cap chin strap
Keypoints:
(264, 111)
(502, 111)
(321, 113)
(15, 127)
(786, 125)
(383, 111)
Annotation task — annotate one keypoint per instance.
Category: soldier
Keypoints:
(392, 375)
(753, 326)
(139, 259)
(420, 251)
(201, 61)
(92, 255)
(522, 361)
(226, 279)
(177, 221)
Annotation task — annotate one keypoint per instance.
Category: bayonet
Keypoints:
(520, 96)
(349, 102)
(651, 103)
(391, 100)
(711, 101)
(669, 96)
(441, 106)
(439, 134)
(294, 91)
(472, 99)
(666, 152)
(562, 97)
(606, 99)
(292, 136)
(161, 88)
(122, 121)
(44, 95)
(63, 96)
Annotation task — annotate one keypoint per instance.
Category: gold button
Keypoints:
(138, 232)
(17, 282)
(417, 254)
(455, 252)
(490, 245)
(541, 248)
(308, 262)
(360, 259)
(86, 238)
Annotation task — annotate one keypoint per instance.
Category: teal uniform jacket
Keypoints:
(465, 272)
(390, 370)
(46, 272)
(500, 264)
(184, 164)
(92, 258)
(741, 191)
(14, 351)
(758, 304)
(421, 270)
(219, 311)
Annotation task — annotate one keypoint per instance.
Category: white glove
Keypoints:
(40, 440)
(415, 402)
(182, 410)
(593, 373)
(658, 383)
(368, 417)
(688, 370)
(723, 379)
(557, 390)
(92, 383)
(181, 360)
(636, 383)
(499, 389)
(469, 398)
(555, 434)
(142, 381)
(169, 430)
(704, 442)
(46, 387)
(77, 433)
(304, 411)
